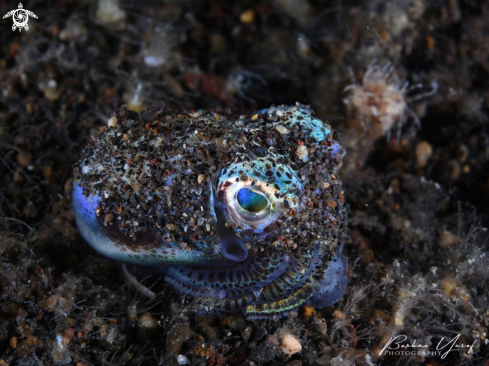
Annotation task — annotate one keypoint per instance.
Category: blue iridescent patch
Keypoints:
(251, 201)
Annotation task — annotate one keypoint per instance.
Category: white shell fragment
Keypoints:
(182, 360)
(290, 345)
(112, 122)
(282, 130)
(302, 152)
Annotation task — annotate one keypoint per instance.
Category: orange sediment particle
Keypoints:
(430, 42)
(307, 310)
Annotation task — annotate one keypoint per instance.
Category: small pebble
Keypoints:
(290, 345)
(109, 218)
(338, 314)
(307, 310)
(204, 350)
(423, 152)
(260, 334)
(177, 336)
(109, 12)
(264, 352)
(30, 209)
(237, 322)
(462, 153)
(24, 158)
(302, 152)
(332, 204)
(112, 122)
(47, 172)
(147, 321)
(320, 325)
(182, 360)
(209, 331)
(447, 239)
(453, 170)
(282, 130)
(247, 16)
(246, 334)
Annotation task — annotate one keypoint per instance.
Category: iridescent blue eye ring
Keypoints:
(251, 201)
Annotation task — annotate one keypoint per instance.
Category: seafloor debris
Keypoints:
(419, 263)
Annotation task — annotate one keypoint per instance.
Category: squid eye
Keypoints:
(252, 195)
(251, 201)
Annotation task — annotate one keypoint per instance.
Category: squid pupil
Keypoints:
(251, 201)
